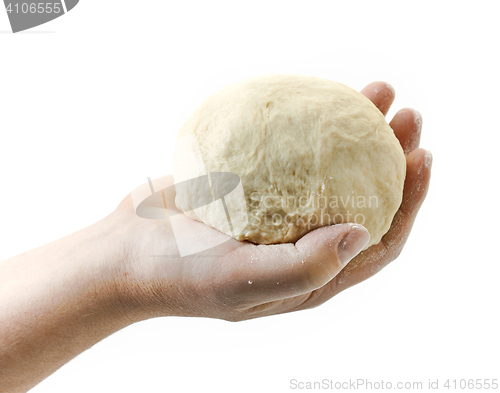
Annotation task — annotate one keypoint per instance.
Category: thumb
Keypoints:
(289, 270)
(334, 247)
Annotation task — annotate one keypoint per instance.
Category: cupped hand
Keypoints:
(240, 280)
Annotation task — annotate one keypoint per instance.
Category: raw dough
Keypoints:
(309, 152)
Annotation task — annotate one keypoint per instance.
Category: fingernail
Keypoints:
(352, 243)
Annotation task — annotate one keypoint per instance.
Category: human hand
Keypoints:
(61, 298)
(239, 280)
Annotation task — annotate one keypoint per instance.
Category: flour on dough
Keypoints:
(309, 152)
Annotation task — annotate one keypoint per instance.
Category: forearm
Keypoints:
(55, 302)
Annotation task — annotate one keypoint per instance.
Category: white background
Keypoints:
(90, 105)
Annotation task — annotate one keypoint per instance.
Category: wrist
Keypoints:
(112, 270)
(135, 275)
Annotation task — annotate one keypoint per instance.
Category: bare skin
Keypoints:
(60, 299)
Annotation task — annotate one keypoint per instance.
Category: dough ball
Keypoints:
(307, 152)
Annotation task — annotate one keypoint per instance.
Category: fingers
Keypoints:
(407, 123)
(407, 126)
(277, 272)
(418, 175)
(379, 255)
(372, 260)
(382, 94)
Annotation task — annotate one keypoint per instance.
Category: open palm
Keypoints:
(240, 280)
